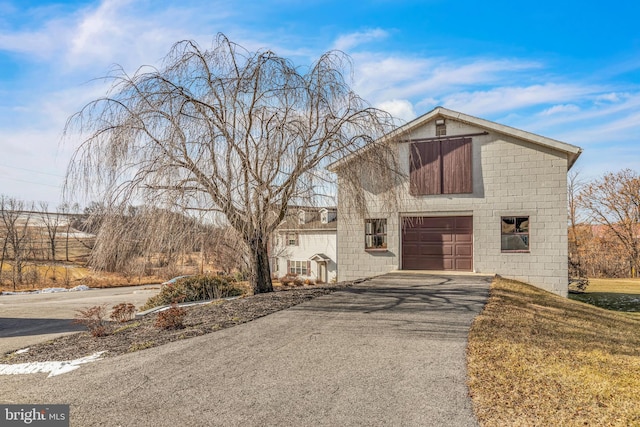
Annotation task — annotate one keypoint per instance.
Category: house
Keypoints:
(305, 245)
(473, 196)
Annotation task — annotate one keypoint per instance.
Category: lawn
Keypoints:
(537, 359)
(612, 294)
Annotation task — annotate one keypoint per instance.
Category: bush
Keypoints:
(171, 318)
(195, 288)
(123, 312)
(93, 319)
(578, 285)
(292, 280)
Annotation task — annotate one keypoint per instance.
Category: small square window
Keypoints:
(292, 239)
(375, 234)
(515, 234)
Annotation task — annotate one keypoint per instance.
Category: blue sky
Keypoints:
(568, 70)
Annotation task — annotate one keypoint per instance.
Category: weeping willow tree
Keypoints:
(223, 130)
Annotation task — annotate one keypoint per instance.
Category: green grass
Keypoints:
(537, 359)
(612, 294)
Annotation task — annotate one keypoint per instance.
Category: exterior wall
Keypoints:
(510, 178)
(309, 244)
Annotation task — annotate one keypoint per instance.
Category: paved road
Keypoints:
(28, 319)
(390, 351)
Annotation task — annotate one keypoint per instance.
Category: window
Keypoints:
(299, 267)
(441, 127)
(292, 239)
(441, 167)
(324, 216)
(515, 234)
(375, 234)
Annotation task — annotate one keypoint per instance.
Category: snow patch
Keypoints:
(49, 290)
(53, 368)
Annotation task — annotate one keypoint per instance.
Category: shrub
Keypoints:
(578, 285)
(291, 280)
(171, 318)
(123, 312)
(93, 319)
(195, 288)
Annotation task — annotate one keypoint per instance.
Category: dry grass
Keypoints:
(70, 275)
(618, 286)
(536, 359)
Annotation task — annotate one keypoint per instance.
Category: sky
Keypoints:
(568, 70)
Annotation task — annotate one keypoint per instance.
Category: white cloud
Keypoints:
(125, 32)
(40, 44)
(611, 97)
(401, 109)
(382, 78)
(350, 41)
(119, 32)
(508, 98)
(559, 109)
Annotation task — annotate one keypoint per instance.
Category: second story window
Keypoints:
(292, 239)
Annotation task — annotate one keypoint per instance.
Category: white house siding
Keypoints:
(511, 177)
(310, 242)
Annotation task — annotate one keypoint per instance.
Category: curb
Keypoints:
(182, 304)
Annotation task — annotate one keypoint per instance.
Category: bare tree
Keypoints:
(574, 186)
(15, 216)
(228, 131)
(227, 250)
(132, 240)
(52, 224)
(68, 210)
(614, 202)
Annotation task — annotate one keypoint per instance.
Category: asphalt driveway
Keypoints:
(27, 319)
(390, 351)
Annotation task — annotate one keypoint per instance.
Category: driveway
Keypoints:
(27, 319)
(390, 351)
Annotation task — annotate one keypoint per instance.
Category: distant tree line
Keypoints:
(132, 241)
(604, 225)
(30, 233)
(145, 240)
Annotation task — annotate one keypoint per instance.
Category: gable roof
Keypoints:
(572, 151)
(312, 221)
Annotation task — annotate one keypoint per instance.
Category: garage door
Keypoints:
(437, 243)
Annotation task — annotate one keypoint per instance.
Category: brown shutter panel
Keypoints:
(415, 166)
(288, 266)
(425, 168)
(308, 268)
(457, 166)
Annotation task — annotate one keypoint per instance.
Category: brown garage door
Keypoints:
(437, 243)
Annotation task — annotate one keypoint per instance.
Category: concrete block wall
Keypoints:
(511, 178)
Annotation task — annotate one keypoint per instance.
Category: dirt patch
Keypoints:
(140, 334)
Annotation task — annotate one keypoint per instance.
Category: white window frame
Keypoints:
(298, 267)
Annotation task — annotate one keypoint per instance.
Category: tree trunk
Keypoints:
(260, 278)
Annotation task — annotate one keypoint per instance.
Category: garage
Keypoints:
(437, 243)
